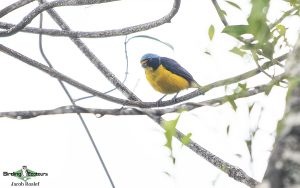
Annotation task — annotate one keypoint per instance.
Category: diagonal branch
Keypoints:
(52, 72)
(93, 59)
(220, 12)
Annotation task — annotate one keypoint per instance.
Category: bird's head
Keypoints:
(151, 61)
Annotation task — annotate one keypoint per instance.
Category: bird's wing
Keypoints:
(172, 66)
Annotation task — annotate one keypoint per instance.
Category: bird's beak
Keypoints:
(144, 63)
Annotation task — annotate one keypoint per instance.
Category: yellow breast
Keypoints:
(165, 81)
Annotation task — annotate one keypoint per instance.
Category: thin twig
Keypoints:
(73, 103)
(283, 16)
(220, 12)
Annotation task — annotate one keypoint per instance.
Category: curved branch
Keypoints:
(14, 6)
(12, 29)
(28, 18)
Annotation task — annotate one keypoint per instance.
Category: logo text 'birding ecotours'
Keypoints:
(25, 174)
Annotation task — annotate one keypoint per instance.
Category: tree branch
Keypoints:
(141, 111)
(155, 114)
(14, 6)
(93, 58)
(232, 171)
(12, 29)
(52, 72)
(220, 12)
(59, 3)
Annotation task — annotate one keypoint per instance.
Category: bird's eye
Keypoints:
(144, 65)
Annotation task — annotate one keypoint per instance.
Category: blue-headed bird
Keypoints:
(166, 75)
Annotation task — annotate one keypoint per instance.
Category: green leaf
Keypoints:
(280, 126)
(268, 49)
(236, 30)
(211, 32)
(231, 102)
(268, 89)
(223, 12)
(233, 4)
(170, 131)
(186, 139)
(249, 146)
(240, 88)
(258, 22)
(238, 51)
(281, 29)
(227, 129)
(250, 107)
(207, 52)
(293, 2)
(243, 86)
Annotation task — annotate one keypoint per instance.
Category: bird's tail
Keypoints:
(194, 84)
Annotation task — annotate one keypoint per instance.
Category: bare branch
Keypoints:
(12, 29)
(28, 18)
(14, 6)
(141, 111)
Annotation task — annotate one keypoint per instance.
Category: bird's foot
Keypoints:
(158, 103)
(174, 99)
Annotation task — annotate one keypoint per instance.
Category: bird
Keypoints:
(166, 76)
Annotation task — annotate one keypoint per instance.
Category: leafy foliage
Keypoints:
(211, 32)
(186, 139)
(233, 4)
(170, 131)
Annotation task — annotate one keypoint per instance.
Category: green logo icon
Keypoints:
(25, 174)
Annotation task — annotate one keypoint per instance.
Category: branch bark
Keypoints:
(139, 111)
(14, 6)
(12, 29)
